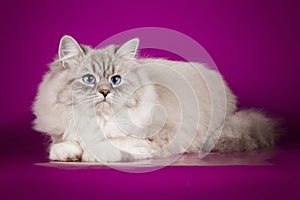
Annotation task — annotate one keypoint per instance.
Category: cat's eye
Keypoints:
(89, 79)
(115, 80)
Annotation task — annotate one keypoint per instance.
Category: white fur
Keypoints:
(66, 151)
(109, 142)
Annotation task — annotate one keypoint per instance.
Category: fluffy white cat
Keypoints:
(108, 105)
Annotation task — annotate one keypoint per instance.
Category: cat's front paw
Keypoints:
(66, 151)
(106, 152)
(87, 157)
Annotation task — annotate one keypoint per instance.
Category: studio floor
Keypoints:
(263, 174)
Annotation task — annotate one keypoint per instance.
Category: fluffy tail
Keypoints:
(247, 130)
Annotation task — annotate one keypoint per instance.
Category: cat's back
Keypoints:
(192, 71)
(203, 80)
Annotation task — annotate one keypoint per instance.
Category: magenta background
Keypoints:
(255, 45)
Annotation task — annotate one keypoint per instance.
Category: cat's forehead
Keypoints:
(102, 55)
(105, 62)
(102, 62)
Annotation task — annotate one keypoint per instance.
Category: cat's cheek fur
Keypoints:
(132, 102)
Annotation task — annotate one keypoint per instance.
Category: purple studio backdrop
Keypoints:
(255, 44)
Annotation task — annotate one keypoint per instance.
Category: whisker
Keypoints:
(118, 99)
(89, 101)
(85, 104)
(86, 99)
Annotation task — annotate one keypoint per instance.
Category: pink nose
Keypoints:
(104, 92)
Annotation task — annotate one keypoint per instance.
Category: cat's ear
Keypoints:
(129, 48)
(68, 49)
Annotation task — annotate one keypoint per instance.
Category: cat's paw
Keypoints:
(66, 151)
(87, 157)
(107, 152)
(107, 157)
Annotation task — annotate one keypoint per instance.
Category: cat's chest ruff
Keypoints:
(109, 128)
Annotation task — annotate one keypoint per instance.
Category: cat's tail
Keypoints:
(247, 130)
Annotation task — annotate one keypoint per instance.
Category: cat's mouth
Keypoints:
(104, 101)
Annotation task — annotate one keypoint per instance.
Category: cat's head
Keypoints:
(100, 78)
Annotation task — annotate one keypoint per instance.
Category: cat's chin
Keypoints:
(103, 105)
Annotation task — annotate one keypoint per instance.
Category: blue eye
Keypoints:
(115, 80)
(89, 79)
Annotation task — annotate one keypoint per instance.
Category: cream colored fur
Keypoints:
(56, 101)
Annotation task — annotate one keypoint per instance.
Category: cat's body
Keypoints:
(70, 105)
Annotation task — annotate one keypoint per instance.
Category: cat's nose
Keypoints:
(104, 92)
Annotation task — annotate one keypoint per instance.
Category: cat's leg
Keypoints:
(66, 146)
(104, 151)
(65, 151)
(88, 157)
(120, 149)
(136, 148)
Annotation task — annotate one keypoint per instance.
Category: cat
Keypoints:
(100, 105)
